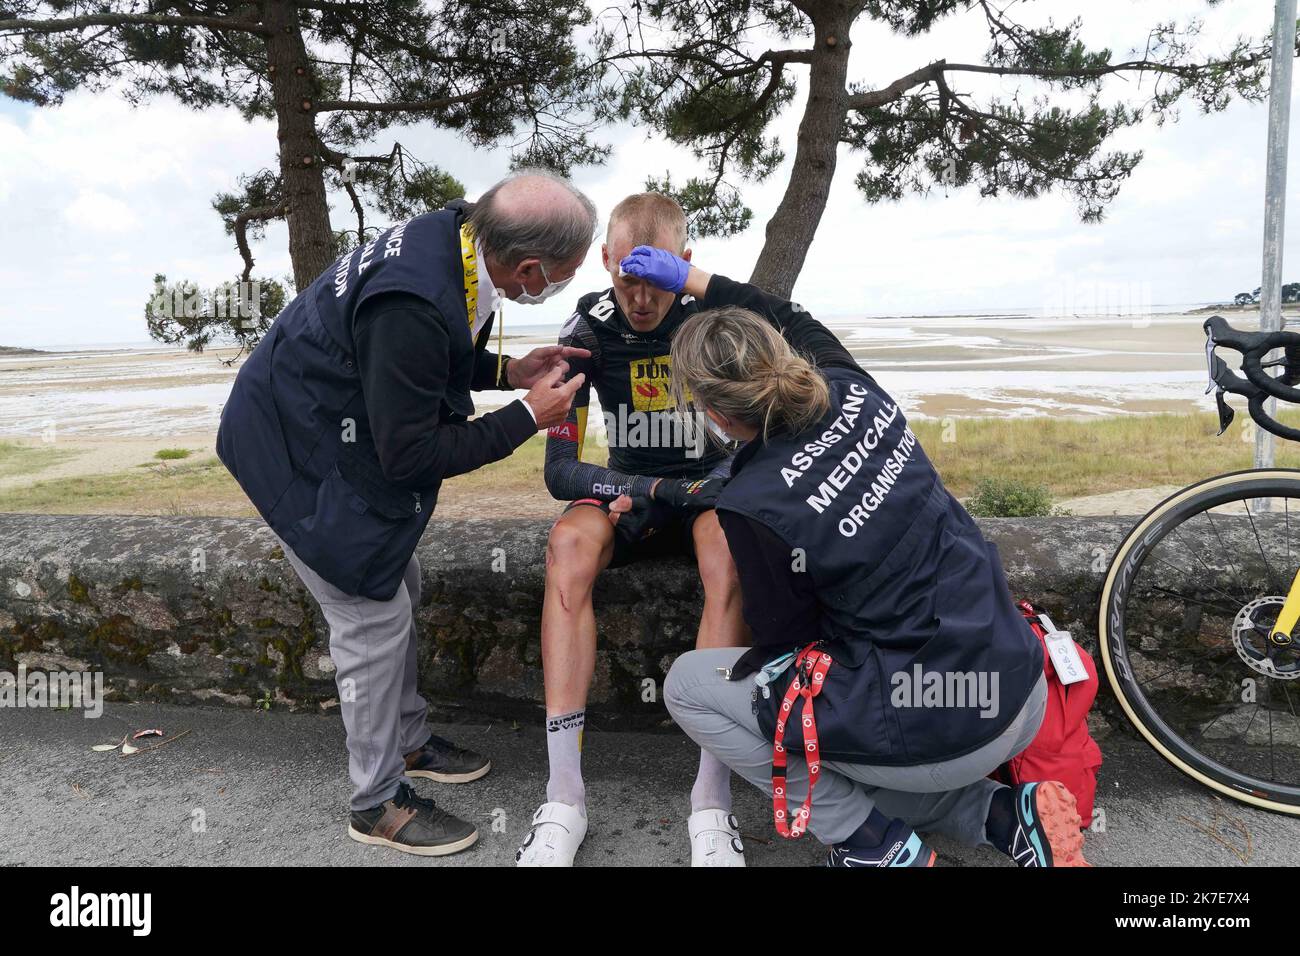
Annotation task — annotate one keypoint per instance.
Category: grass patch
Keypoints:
(1075, 458)
(18, 458)
(522, 471)
(171, 454)
(201, 487)
(1062, 458)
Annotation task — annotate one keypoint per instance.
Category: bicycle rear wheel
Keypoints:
(1186, 610)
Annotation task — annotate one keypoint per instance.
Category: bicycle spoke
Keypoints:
(1178, 532)
(1245, 734)
(1229, 613)
(1211, 674)
(1287, 694)
(1231, 566)
(1260, 544)
(1272, 763)
(1200, 734)
(1235, 600)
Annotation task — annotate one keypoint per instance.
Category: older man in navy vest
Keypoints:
(344, 422)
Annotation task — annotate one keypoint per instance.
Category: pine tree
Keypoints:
(333, 75)
(700, 72)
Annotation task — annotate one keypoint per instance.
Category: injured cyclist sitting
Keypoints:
(662, 460)
(860, 574)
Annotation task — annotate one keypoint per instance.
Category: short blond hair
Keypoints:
(647, 216)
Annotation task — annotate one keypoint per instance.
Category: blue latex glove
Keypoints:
(659, 267)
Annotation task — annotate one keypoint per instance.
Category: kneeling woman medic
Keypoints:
(890, 672)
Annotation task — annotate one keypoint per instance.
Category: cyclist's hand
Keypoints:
(550, 399)
(636, 519)
(699, 494)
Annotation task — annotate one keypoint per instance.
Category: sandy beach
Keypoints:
(935, 366)
(107, 410)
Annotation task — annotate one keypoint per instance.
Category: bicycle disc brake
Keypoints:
(1250, 636)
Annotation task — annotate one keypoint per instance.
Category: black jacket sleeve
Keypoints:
(808, 336)
(403, 355)
(779, 604)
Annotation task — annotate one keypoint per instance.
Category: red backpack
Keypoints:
(1062, 749)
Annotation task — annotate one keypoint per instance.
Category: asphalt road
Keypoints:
(270, 788)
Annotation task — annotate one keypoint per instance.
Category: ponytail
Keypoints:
(733, 361)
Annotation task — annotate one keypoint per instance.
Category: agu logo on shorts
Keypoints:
(651, 379)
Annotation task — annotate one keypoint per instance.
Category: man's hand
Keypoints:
(635, 519)
(532, 368)
(698, 494)
(550, 399)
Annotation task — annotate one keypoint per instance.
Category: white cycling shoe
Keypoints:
(715, 839)
(558, 830)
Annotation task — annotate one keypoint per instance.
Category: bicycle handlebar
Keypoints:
(1258, 385)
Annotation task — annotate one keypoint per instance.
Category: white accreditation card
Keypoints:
(1065, 656)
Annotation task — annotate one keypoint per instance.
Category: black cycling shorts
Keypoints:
(672, 536)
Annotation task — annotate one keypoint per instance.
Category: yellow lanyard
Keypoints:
(469, 259)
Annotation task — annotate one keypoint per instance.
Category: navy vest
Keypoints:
(910, 593)
(295, 432)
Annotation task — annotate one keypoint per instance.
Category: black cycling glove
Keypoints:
(698, 494)
(643, 519)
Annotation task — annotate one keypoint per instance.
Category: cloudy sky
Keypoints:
(96, 197)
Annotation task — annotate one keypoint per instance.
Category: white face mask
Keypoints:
(717, 429)
(552, 288)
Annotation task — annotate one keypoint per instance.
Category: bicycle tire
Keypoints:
(1136, 546)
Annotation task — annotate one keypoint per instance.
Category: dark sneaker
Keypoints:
(413, 825)
(900, 847)
(443, 761)
(1047, 826)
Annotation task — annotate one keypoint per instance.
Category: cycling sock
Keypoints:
(712, 790)
(1000, 827)
(872, 832)
(564, 750)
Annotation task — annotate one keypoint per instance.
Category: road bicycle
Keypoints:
(1199, 609)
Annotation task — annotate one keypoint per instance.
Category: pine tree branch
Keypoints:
(70, 24)
(931, 73)
(777, 58)
(414, 106)
(873, 98)
(240, 226)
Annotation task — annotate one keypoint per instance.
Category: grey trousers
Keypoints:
(951, 797)
(373, 647)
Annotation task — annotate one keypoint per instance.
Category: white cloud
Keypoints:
(97, 212)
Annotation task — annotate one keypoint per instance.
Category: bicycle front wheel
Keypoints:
(1185, 625)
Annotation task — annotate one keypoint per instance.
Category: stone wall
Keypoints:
(207, 609)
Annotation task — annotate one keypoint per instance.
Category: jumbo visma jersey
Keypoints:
(632, 374)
